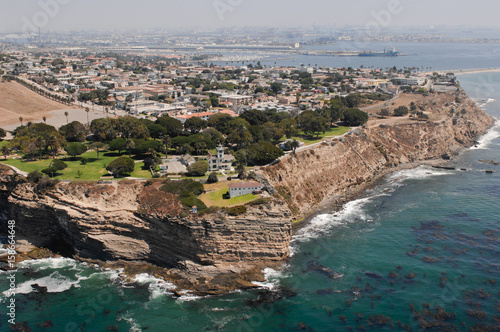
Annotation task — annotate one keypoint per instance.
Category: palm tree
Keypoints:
(67, 120)
(87, 110)
(21, 119)
(107, 111)
(44, 119)
(129, 146)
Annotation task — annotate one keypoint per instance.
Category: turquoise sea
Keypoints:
(420, 251)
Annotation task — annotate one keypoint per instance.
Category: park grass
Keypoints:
(92, 171)
(215, 192)
(330, 133)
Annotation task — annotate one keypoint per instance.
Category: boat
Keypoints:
(392, 52)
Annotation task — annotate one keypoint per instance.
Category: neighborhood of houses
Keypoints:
(151, 87)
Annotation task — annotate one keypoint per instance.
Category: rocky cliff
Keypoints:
(108, 223)
(330, 169)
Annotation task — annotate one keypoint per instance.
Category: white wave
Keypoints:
(355, 211)
(49, 263)
(156, 286)
(134, 325)
(489, 137)
(418, 173)
(490, 100)
(55, 283)
(189, 297)
(321, 224)
(272, 277)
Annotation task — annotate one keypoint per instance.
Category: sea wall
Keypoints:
(333, 168)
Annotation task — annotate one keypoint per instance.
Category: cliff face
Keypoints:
(102, 222)
(312, 175)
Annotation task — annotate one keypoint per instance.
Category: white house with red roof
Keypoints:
(243, 188)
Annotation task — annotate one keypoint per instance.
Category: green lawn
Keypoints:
(93, 170)
(215, 197)
(330, 133)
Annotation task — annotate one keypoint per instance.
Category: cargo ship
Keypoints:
(392, 52)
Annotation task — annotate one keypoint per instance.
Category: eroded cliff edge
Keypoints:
(333, 168)
(108, 222)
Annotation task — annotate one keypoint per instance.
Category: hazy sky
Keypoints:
(16, 15)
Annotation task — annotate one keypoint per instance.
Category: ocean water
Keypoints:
(422, 248)
(426, 56)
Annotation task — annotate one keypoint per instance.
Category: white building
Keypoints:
(244, 188)
(219, 161)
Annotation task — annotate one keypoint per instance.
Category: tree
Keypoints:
(220, 121)
(310, 123)
(121, 166)
(3, 133)
(5, 151)
(173, 126)
(289, 127)
(54, 166)
(130, 145)
(198, 168)
(276, 87)
(213, 178)
(66, 114)
(401, 111)
(355, 117)
(214, 101)
(105, 129)
(263, 153)
(75, 149)
(21, 120)
(294, 145)
(240, 136)
(44, 118)
(275, 131)
(87, 110)
(152, 162)
(74, 132)
(199, 147)
(118, 144)
(97, 146)
(216, 136)
(384, 112)
(131, 127)
(156, 131)
(195, 124)
(255, 117)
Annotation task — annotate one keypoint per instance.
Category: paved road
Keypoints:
(17, 170)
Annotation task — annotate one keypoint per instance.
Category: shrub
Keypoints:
(401, 111)
(212, 178)
(237, 210)
(183, 188)
(191, 201)
(45, 184)
(259, 201)
(35, 176)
